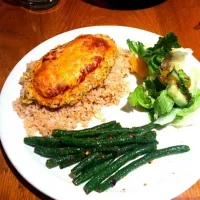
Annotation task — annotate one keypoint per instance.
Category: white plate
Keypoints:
(163, 179)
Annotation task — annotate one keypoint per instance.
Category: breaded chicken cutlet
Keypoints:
(67, 73)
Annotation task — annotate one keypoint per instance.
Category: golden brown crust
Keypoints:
(68, 72)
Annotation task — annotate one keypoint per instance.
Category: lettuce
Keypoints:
(163, 104)
(167, 118)
(154, 56)
(162, 59)
(178, 114)
(196, 104)
(140, 97)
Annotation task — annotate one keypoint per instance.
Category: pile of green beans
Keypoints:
(100, 153)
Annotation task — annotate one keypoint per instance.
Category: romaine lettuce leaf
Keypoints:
(178, 114)
(167, 118)
(137, 48)
(140, 97)
(185, 111)
(163, 104)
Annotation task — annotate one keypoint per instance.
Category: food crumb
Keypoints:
(150, 162)
(124, 190)
(145, 184)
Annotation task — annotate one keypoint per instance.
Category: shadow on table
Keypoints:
(125, 4)
(13, 2)
(32, 189)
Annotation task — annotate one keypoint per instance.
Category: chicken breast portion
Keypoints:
(67, 73)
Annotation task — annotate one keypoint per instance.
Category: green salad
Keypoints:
(170, 91)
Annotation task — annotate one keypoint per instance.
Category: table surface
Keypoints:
(21, 30)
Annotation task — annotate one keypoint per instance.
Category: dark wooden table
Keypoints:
(21, 30)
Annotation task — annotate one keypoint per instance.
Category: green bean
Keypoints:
(42, 141)
(124, 131)
(80, 133)
(54, 162)
(116, 150)
(120, 150)
(140, 130)
(86, 143)
(67, 163)
(100, 159)
(97, 133)
(104, 149)
(114, 131)
(92, 183)
(50, 152)
(111, 128)
(111, 134)
(146, 127)
(86, 162)
(128, 147)
(105, 156)
(149, 134)
(110, 182)
(112, 149)
(87, 174)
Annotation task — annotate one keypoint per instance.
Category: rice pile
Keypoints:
(37, 118)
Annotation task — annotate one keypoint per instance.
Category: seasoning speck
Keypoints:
(87, 153)
(131, 136)
(113, 182)
(102, 156)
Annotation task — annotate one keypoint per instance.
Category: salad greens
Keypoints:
(163, 104)
(154, 56)
(169, 93)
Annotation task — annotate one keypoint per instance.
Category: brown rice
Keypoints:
(37, 118)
